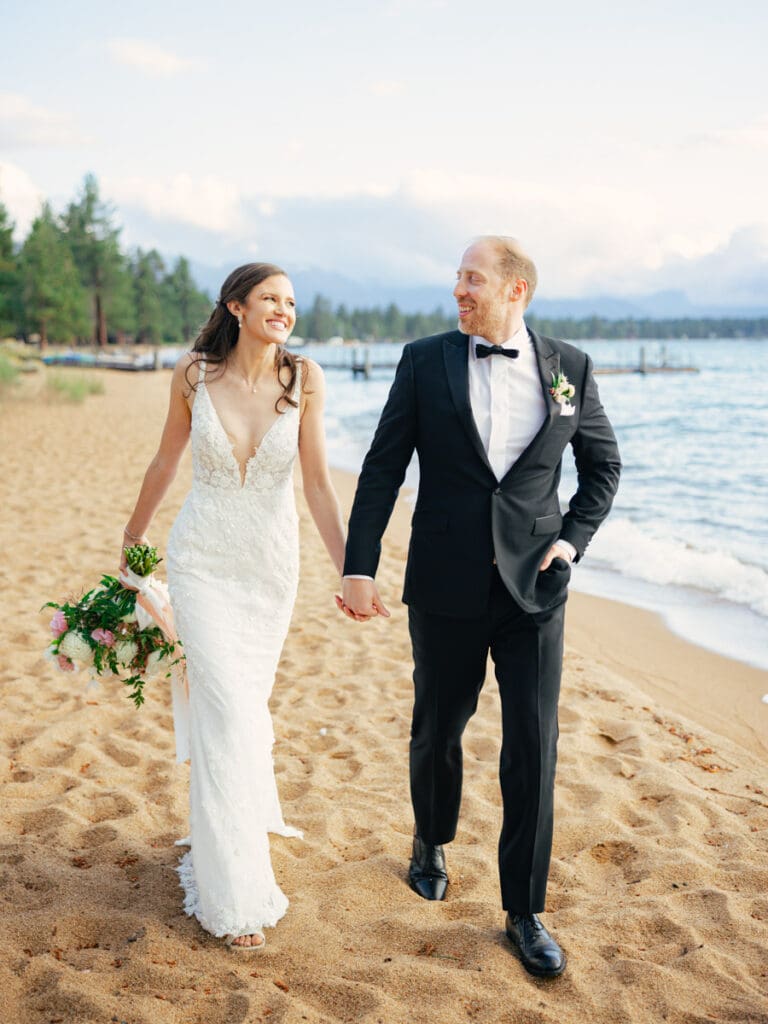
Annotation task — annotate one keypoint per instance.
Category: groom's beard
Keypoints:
(483, 323)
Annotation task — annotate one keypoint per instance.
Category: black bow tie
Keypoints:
(483, 351)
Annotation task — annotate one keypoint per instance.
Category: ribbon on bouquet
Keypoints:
(153, 606)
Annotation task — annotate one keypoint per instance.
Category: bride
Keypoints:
(249, 406)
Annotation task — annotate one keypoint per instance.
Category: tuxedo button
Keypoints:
(497, 491)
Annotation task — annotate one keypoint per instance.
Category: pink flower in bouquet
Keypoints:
(59, 623)
(64, 663)
(104, 637)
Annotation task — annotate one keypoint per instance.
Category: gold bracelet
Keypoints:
(132, 536)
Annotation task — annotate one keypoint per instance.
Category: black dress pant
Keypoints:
(450, 657)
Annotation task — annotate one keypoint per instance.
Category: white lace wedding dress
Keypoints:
(233, 562)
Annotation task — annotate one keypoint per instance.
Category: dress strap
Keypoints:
(297, 383)
(201, 373)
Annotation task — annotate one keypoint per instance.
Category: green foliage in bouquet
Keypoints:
(101, 631)
(142, 559)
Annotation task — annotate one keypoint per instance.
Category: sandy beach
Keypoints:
(659, 882)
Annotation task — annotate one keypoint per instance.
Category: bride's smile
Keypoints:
(269, 312)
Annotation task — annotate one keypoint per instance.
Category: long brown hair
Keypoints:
(218, 336)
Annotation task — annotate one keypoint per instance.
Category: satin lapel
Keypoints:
(549, 363)
(455, 353)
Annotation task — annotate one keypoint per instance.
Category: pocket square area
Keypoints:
(567, 410)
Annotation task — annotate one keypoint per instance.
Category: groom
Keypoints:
(489, 409)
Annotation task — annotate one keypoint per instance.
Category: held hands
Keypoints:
(359, 600)
(556, 551)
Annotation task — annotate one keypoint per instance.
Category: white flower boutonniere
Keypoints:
(563, 391)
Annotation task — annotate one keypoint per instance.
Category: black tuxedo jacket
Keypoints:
(465, 519)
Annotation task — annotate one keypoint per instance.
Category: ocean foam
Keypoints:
(637, 552)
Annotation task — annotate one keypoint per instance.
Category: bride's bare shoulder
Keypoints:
(184, 377)
(312, 373)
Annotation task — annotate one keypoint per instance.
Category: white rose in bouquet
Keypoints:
(75, 647)
(126, 651)
(130, 617)
(155, 663)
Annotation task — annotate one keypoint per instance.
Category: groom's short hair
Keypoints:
(514, 261)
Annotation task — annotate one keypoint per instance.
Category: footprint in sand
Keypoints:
(97, 836)
(335, 999)
(126, 758)
(60, 756)
(44, 821)
(345, 766)
(11, 858)
(293, 789)
(108, 806)
(621, 855)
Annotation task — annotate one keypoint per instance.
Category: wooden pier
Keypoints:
(362, 364)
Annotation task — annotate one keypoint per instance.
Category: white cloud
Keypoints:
(746, 136)
(385, 88)
(734, 270)
(207, 202)
(23, 123)
(21, 197)
(150, 58)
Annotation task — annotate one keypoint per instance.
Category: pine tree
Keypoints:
(121, 303)
(148, 271)
(55, 303)
(94, 242)
(319, 322)
(186, 306)
(10, 278)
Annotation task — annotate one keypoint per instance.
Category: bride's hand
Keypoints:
(360, 600)
(124, 564)
(128, 541)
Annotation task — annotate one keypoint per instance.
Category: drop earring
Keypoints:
(239, 320)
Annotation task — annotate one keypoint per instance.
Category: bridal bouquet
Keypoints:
(116, 631)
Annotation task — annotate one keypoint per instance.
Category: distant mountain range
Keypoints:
(426, 298)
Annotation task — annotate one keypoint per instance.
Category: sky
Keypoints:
(627, 148)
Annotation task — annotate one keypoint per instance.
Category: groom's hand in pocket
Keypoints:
(360, 600)
(556, 551)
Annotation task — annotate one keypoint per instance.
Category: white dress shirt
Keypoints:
(507, 400)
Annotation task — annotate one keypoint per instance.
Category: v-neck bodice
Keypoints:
(238, 521)
(270, 465)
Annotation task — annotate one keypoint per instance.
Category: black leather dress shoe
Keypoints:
(538, 951)
(427, 875)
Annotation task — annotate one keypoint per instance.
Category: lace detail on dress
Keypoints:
(213, 460)
(233, 563)
(218, 921)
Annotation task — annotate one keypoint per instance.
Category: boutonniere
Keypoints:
(563, 391)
